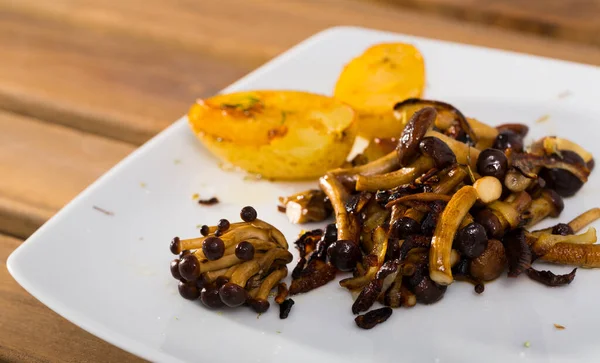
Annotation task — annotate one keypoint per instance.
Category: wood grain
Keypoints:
(99, 82)
(30, 332)
(573, 20)
(126, 69)
(43, 166)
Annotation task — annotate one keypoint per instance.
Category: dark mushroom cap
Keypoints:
(562, 181)
(174, 246)
(248, 214)
(490, 222)
(562, 229)
(259, 305)
(204, 230)
(344, 255)
(223, 225)
(405, 227)
(555, 199)
(188, 290)
(232, 294)
(210, 298)
(413, 133)
(213, 248)
(492, 162)
(508, 139)
(438, 150)
(189, 267)
(175, 269)
(244, 251)
(471, 240)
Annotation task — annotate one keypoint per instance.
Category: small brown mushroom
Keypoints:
(499, 216)
(465, 154)
(259, 303)
(519, 129)
(490, 264)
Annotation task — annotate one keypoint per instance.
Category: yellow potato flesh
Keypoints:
(376, 80)
(277, 134)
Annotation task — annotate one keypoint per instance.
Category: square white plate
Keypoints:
(109, 275)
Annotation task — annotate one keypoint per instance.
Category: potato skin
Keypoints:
(375, 81)
(282, 135)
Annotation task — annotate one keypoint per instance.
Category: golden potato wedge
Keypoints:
(375, 81)
(278, 134)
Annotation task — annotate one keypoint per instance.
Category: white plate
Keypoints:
(109, 275)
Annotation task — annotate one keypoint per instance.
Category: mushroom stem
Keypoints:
(347, 226)
(274, 233)
(221, 263)
(419, 197)
(212, 275)
(548, 204)
(379, 166)
(440, 269)
(260, 264)
(465, 154)
(546, 241)
(393, 179)
(582, 220)
(270, 281)
(517, 182)
(587, 255)
(502, 215)
(450, 180)
(485, 133)
(282, 293)
(259, 245)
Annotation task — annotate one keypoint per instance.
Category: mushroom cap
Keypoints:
(189, 267)
(232, 294)
(259, 305)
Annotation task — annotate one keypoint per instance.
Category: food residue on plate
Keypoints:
(102, 210)
(559, 327)
(210, 201)
(195, 196)
(542, 119)
(564, 94)
(527, 344)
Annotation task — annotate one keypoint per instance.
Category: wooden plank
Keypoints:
(574, 20)
(43, 166)
(100, 82)
(128, 68)
(30, 332)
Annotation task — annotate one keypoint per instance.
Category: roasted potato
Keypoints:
(375, 81)
(277, 134)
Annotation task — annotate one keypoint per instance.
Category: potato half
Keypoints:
(277, 134)
(375, 81)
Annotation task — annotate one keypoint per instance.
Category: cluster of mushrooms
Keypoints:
(451, 199)
(234, 264)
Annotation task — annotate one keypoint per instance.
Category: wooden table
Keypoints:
(84, 82)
